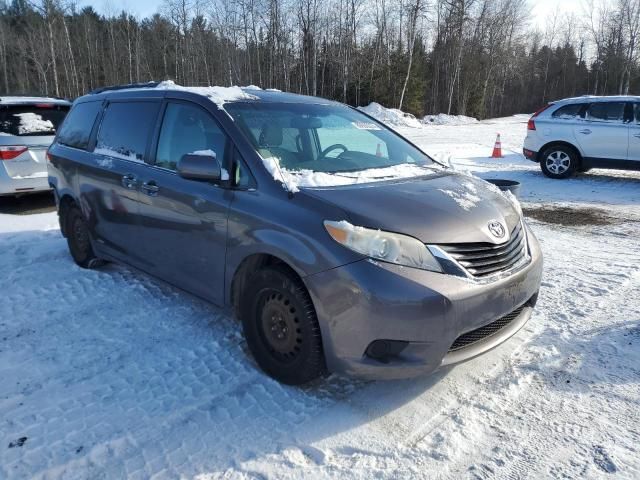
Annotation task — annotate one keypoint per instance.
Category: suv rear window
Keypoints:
(26, 120)
(569, 112)
(76, 130)
(126, 129)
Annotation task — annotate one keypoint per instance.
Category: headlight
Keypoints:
(385, 246)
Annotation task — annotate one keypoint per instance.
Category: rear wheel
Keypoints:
(78, 238)
(281, 327)
(559, 162)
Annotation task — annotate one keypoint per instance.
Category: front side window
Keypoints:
(126, 128)
(606, 112)
(76, 129)
(27, 120)
(326, 139)
(188, 129)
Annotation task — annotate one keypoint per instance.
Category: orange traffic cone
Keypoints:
(497, 148)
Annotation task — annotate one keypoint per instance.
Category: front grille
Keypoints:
(481, 333)
(484, 259)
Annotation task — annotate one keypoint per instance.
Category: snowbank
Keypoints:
(444, 119)
(397, 118)
(391, 116)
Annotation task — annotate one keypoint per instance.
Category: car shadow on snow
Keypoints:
(27, 204)
(129, 368)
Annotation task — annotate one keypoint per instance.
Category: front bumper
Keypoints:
(366, 301)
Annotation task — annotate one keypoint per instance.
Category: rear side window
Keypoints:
(27, 120)
(76, 129)
(126, 128)
(606, 112)
(188, 129)
(570, 112)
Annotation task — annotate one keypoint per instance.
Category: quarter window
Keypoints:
(188, 129)
(569, 112)
(606, 112)
(76, 129)
(126, 128)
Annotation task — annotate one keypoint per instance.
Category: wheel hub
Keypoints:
(558, 162)
(280, 326)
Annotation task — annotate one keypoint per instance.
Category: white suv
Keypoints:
(577, 134)
(27, 128)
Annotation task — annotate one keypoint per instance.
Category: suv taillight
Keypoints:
(531, 124)
(10, 152)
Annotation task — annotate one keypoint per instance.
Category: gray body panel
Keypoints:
(196, 235)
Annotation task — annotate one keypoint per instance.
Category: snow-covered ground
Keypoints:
(111, 374)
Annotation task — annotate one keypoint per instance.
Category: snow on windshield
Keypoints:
(33, 123)
(292, 180)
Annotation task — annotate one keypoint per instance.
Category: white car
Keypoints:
(577, 134)
(27, 128)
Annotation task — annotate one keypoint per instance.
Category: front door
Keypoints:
(604, 132)
(184, 222)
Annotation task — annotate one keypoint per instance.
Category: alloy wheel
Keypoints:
(558, 162)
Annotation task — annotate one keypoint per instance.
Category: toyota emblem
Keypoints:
(497, 229)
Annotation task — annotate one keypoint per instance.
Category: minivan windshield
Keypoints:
(329, 139)
(26, 120)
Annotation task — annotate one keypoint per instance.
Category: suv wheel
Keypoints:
(281, 328)
(78, 239)
(559, 162)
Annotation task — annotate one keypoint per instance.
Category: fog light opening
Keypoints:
(385, 350)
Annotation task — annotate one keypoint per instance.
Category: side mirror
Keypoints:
(200, 166)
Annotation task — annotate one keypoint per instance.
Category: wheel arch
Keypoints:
(252, 263)
(560, 143)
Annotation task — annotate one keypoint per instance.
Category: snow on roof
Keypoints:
(598, 98)
(10, 100)
(218, 95)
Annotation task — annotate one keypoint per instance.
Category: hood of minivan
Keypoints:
(439, 209)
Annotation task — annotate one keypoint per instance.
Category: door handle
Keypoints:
(586, 131)
(150, 188)
(129, 181)
(637, 135)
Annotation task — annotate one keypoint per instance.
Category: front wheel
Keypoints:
(559, 162)
(281, 327)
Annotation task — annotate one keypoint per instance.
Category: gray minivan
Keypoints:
(339, 245)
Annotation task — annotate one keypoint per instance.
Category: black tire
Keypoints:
(559, 161)
(79, 238)
(281, 327)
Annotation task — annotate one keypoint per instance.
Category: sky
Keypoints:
(540, 9)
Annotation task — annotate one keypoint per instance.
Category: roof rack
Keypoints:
(124, 87)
